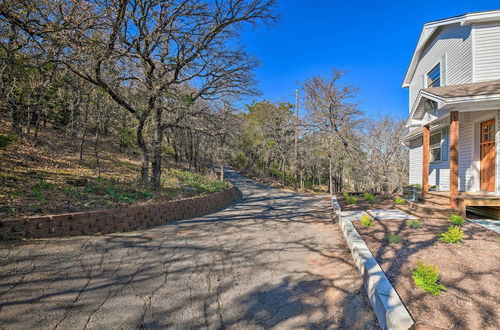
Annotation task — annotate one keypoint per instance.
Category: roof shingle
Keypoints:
(474, 89)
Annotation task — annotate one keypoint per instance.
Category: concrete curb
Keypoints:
(388, 307)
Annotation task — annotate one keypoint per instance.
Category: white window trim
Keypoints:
(437, 145)
(426, 77)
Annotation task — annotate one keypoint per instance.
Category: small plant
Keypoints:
(453, 235)
(370, 198)
(399, 201)
(426, 277)
(5, 140)
(414, 223)
(392, 239)
(36, 192)
(456, 220)
(13, 211)
(42, 184)
(366, 221)
(352, 199)
(345, 194)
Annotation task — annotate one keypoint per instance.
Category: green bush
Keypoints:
(392, 239)
(366, 221)
(36, 192)
(370, 198)
(453, 235)
(5, 140)
(38, 189)
(414, 223)
(426, 277)
(352, 199)
(457, 220)
(345, 194)
(399, 201)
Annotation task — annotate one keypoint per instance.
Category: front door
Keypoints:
(488, 154)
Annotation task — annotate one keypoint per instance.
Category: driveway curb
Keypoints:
(388, 307)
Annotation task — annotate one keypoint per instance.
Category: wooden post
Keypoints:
(454, 159)
(296, 142)
(425, 160)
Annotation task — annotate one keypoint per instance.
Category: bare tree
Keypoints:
(332, 113)
(148, 46)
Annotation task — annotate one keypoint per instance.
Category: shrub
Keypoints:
(456, 220)
(392, 239)
(199, 182)
(5, 140)
(370, 198)
(426, 277)
(366, 221)
(399, 201)
(414, 223)
(345, 194)
(453, 235)
(352, 199)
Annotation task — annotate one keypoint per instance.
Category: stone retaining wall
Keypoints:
(118, 219)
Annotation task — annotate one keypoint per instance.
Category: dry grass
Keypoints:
(39, 177)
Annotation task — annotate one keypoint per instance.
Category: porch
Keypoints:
(454, 148)
(436, 204)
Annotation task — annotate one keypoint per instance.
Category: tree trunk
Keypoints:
(96, 145)
(330, 175)
(15, 118)
(157, 158)
(144, 152)
(222, 171)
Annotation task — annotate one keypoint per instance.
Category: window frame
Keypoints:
(430, 82)
(436, 145)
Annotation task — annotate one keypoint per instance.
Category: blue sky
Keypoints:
(372, 40)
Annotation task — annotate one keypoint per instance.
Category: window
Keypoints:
(434, 77)
(435, 147)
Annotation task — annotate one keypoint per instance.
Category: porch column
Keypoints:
(454, 159)
(425, 160)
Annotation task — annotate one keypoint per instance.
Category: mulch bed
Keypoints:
(363, 204)
(470, 271)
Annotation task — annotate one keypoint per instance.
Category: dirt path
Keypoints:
(273, 260)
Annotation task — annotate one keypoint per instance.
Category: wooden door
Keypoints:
(488, 154)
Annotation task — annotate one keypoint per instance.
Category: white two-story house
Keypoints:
(454, 109)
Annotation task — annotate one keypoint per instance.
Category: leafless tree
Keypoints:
(332, 113)
(149, 46)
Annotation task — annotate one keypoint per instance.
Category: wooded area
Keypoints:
(164, 78)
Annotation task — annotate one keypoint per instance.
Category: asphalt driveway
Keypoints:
(273, 260)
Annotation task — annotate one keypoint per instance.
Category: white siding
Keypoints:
(453, 47)
(415, 161)
(486, 52)
(465, 145)
(439, 175)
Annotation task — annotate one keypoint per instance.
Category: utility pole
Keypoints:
(296, 138)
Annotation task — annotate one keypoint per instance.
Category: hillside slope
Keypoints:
(47, 176)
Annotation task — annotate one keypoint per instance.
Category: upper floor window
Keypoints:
(434, 77)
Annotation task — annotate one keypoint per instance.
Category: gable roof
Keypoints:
(484, 95)
(430, 28)
(464, 90)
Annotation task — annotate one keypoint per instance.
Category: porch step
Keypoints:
(436, 201)
(419, 214)
(441, 194)
(430, 208)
